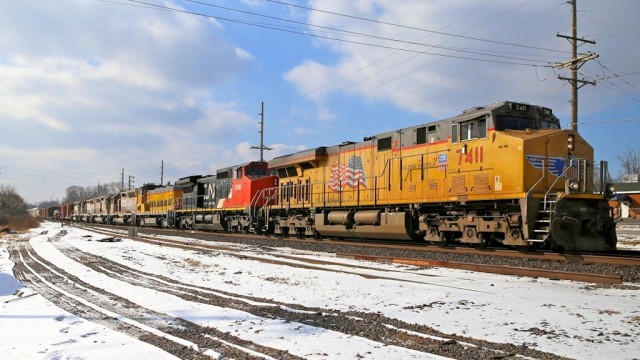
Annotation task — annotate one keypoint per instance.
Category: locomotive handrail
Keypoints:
(526, 197)
(273, 191)
(557, 178)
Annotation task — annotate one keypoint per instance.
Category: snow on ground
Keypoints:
(572, 319)
(628, 235)
(34, 328)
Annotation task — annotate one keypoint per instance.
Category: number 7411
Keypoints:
(471, 156)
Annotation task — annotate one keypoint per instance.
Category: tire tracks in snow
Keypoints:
(176, 336)
(372, 326)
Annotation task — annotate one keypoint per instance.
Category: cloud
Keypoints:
(431, 72)
(132, 85)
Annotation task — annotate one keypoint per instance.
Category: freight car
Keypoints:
(504, 173)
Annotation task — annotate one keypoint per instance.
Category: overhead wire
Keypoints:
(525, 61)
(351, 34)
(397, 49)
(414, 70)
(375, 74)
(411, 27)
(409, 72)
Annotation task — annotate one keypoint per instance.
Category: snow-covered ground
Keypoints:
(571, 319)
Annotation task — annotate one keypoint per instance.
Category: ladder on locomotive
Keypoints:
(266, 195)
(546, 210)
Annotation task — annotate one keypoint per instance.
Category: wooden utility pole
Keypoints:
(574, 64)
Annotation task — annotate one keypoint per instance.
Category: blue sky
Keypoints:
(89, 87)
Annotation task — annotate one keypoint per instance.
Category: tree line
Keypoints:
(12, 204)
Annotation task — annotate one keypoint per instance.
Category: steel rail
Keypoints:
(608, 259)
(494, 269)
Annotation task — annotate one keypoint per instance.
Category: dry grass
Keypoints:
(194, 263)
(22, 223)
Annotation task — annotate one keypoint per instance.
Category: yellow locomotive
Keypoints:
(503, 173)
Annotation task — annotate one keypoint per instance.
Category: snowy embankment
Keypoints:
(570, 319)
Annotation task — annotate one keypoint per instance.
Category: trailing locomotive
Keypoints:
(504, 173)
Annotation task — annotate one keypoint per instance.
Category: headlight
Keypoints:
(609, 190)
(571, 142)
(574, 185)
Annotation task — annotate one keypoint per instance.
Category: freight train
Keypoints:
(505, 173)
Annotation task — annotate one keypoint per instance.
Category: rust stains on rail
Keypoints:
(495, 269)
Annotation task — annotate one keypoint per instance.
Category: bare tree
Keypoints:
(630, 161)
(79, 193)
(10, 202)
(48, 203)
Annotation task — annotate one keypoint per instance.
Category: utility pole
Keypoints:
(161, 172)
(122, 183)
(261, 147)
(574, 64)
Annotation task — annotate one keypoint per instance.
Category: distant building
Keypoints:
(628, 196)
(630, 178)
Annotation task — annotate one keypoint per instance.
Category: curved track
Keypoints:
(186, 339)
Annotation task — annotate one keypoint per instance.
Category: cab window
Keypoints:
(384, 144)
(469, 130)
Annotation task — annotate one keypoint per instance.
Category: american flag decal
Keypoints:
(350, 174)
(442, 162)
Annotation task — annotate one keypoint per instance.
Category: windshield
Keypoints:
(503, 122)
(256, 172)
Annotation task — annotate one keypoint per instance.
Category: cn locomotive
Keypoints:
(505, 173)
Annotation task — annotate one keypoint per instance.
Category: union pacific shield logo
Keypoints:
(556, 165)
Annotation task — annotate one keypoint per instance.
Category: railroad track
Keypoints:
(626, 258)
(470, 266)
(187, 339)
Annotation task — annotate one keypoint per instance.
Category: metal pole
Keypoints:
(262, 131)
(574, 67)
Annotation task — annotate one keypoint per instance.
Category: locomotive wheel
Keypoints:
(439, 243)
(533, 247)
(316, 235)
(486, 241)
(445, 240)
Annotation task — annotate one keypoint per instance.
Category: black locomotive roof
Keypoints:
(308, 155)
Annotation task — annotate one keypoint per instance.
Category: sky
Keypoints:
(94, 91)
(572, 319)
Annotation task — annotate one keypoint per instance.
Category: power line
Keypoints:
(48, 170)
(412, 27)
(397, 50)
(277, 28)
(614, 75)
(610, 121)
